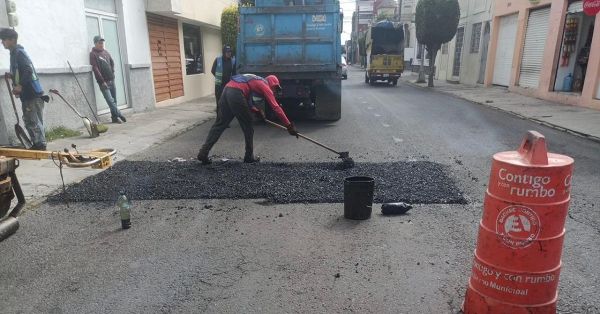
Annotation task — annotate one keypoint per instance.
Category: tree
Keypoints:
(436, 22)
(384, 16)
(229, 26)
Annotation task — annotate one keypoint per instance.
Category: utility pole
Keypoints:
(399, 10)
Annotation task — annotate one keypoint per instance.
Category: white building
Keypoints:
(163, 49)
(464, 58)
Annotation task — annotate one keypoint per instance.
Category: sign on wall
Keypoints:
(591, 7)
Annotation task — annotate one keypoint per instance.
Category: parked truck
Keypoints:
(300, 42)
(384, 46)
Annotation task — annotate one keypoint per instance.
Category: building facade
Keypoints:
(163, 51)
(549, 50)
(464, 58)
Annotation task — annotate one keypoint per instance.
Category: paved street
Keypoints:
(258, 256)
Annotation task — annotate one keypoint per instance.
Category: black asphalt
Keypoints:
(414, 182)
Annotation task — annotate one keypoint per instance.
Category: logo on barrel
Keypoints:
(591, 7)
(518, 226)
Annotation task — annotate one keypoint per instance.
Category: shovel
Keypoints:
(90, 126)
(345, 156)
(19, 131)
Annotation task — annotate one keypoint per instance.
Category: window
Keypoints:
(101, 5)
(192, 43)
(445, 48)
(458, 51)
(476, 38)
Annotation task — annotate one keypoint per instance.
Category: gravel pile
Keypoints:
(413, 182)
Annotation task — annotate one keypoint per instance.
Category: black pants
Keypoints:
(232, 104)
(218, 93)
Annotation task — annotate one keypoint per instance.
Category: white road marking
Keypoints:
(385, 125)
(398, 140)
(370, 108)
(377, 115)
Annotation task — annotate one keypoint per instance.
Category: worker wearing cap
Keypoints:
(236, 101)
(223, 69)
(103, 67)
(27, 87)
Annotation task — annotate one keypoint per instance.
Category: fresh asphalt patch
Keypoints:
(416, 182)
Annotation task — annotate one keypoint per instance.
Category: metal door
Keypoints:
(533, 51)
(460, 34)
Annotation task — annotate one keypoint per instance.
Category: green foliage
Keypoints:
(383, 16)
(229, 26)
(436, 22)
(60, 132)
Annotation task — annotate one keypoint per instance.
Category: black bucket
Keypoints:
(358, 197)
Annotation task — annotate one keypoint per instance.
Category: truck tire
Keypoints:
(366, 78)
(328, 104)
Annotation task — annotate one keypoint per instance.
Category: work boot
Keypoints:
(203, 158)
(38, 147)
(122, 118)
(249, 159)
(115, 120)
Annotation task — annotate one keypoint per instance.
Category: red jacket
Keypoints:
(262, 89)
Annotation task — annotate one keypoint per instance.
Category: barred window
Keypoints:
(476, 38)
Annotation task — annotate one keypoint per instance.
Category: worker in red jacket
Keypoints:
(237, 102)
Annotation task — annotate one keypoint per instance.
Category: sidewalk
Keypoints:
(40, 178)
(577, 120)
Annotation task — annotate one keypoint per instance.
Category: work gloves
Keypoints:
(292, 130)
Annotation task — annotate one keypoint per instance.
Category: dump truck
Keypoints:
(300, 42)
(384, 45)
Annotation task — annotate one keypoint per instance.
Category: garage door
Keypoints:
(507, 35)
(533, 52)
(166, 57)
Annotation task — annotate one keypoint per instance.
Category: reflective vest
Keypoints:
(219, 70)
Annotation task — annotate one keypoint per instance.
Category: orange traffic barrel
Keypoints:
(518, 256)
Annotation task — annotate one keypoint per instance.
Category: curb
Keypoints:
(538, 121)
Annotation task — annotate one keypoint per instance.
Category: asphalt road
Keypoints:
(255, 256)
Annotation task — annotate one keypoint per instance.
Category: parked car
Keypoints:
(344, 68)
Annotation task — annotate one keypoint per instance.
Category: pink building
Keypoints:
(549, 50)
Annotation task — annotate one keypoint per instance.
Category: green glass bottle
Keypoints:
(124, 210)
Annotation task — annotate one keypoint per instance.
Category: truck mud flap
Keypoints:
(328, 104)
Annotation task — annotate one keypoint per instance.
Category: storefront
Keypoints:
(556, 52)
(575, 49)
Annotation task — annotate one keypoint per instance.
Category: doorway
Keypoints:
(105, 25)
(484, 52)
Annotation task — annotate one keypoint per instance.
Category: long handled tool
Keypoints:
(21, 134)
(345, 156)
(84, 96)
(90, 126)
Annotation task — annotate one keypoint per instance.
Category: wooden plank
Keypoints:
(159, 59)
(159, 65)
(173, 59)
(175, 94)
(162, 97)
(158, 72)
(161, 90)
(161, 84)
(160, 78)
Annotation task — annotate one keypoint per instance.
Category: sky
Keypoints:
(348, 6)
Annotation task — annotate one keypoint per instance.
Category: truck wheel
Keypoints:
(366, 78)
(328, 104)
(395, 82)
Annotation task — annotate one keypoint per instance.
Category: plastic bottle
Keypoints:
(568, 83)
(124, 210)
